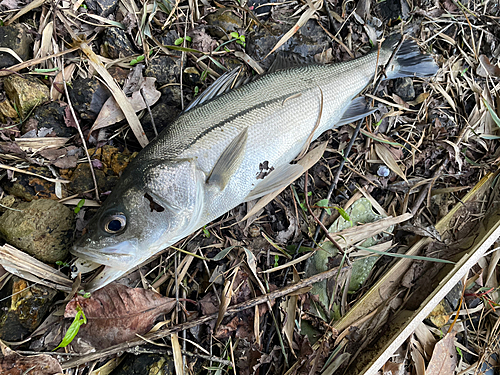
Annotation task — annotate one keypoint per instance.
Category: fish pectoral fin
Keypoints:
(229, 161)
(357, 110)
(277, 179)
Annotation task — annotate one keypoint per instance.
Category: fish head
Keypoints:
(148, 211)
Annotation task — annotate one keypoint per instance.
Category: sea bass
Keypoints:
(211, 158)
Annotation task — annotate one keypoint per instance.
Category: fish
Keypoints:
(211, 158)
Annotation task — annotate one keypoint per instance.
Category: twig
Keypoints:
(207, 318)
(321, 225)
(80, 133)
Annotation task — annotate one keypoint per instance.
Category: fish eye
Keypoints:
(115, 223)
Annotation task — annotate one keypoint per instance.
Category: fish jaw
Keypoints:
(120, 255)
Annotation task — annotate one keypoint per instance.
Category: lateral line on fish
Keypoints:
(292, 97)
(309, 139)
(229, 119)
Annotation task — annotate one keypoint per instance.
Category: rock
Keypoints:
(165, 69)
(42, 228)
(116, 43)
(24, 308)
(26, 93)
(403, 87)
(6, 202)
(102, 7)
(17, 39)
(163, 115)
(7, 111)
(223, 22)
(307, 42)
(50, 116)
(31, 187)
(81, 179)
(88, 96)
(147, 364)
(393, 9)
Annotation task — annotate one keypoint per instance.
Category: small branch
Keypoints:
(180, 327)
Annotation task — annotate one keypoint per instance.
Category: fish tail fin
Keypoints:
(409, 60)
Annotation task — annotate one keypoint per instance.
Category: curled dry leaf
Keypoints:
(385, 154)
(111, 112)
(486, 68)
(117, 313)
(15, 364)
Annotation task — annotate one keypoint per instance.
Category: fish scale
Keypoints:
(210, 159)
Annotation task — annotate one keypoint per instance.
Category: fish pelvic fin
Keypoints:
(357, 110)
(229, 161)
(409, 60)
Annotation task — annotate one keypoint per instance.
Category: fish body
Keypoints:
(233, 148)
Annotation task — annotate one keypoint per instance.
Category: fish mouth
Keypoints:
(121, 256)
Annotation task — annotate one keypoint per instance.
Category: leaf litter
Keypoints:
(437, 145)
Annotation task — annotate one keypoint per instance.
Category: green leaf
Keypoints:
(206, 233)
(396, 255)
(133, 62)
(276, 259)
(344, 214)
(140, 58)
(189, 39)
(73, 329)
(179, 41)
(242, 38)
(79, 206)
(234, 35)
(492, 112)
(222, 253)
(324, 204)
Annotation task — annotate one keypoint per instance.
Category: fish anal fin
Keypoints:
(357, 110)
(277, 179)
(229, 161)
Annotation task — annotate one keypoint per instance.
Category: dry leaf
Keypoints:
(15, 364)
(387, 157)
(117, 313)
(111, 112)
(486, 68)
(444, 357)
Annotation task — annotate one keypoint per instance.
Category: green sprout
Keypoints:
(62, 264)
(240, 39)
(73, 329)
(180, 40)
(79, 205)
(84, 294)
(196, 90)
(276, 259)
(206, 233)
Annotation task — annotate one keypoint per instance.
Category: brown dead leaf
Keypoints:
(111, 112)
(387, 156)
(486, 68)
(15, 364)
(444, 357)
(117, 313)
(57, 88)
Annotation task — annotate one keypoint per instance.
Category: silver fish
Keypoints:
(207, 162)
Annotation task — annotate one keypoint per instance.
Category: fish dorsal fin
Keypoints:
(221, 85)
(284, 61)
(229, 161)
(357, 110)
(277, 179)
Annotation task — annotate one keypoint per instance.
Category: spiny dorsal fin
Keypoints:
(229, 161)
(221, 85)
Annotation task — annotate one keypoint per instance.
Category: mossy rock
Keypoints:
(42, 228)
